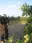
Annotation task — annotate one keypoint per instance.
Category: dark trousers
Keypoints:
(2, 37)
(5, 36)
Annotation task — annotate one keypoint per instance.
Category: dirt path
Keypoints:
(16, 29)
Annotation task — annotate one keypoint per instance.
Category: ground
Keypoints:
(16, 29)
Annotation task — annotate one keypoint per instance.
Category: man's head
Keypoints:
(4, 20)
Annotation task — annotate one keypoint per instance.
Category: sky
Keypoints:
(11, 7)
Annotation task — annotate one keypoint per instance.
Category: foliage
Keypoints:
(25, 9)
(19, 41)
(11, 39)
(26, 38)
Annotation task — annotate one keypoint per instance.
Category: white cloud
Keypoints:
(18, 2)
(11, 6)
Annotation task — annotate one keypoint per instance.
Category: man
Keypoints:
(4, 21)
(1, 32)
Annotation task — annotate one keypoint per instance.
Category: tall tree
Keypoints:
(25, 9)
